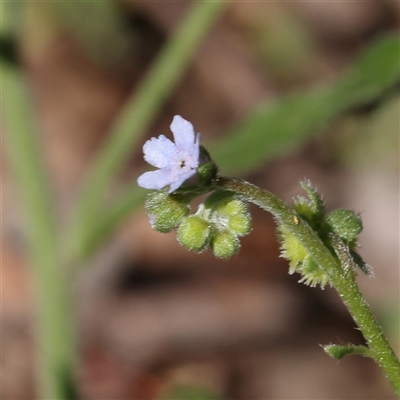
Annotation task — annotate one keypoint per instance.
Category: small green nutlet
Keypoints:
(224, 244)
(240, 224)
(230, 213)
(166, 211)
(231, 206)
(345, 223)
(218, 223)
(194, 233)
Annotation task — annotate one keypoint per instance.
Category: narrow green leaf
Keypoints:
(338, 352)
(277, 128)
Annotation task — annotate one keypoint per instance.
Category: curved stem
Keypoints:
(342, 279)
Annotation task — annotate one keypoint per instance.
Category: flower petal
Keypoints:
(154, 179)
(177, 161)
(178, 177)
(183, 132)
(159, 151)
(196, 149)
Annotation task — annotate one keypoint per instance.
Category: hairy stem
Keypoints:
(342, 279)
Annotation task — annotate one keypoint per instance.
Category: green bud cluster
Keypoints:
(218, 222)
(340, 226)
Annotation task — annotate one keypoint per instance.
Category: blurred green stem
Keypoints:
(139, 113)
(340, 277)
(112, 218)
(54, 340)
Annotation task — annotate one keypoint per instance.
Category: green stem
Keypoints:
(342, 279)
(140, 110)
(54, 340)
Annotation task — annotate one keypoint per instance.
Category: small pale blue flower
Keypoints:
(177, 161)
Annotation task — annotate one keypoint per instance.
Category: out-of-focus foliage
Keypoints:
(371, 139)
(276, 128)
(11, 18)
(100, 27)
(189, 393)
(284, 45)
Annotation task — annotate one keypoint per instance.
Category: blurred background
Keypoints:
(152, 316)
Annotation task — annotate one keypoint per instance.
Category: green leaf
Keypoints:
(374, 73)
(276, 128)
(270, 131)
(338, 352)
